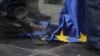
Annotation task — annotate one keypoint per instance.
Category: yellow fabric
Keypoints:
(62, 37)
(83, 38)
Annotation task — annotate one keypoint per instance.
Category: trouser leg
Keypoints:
(92, 15)
(17, 12)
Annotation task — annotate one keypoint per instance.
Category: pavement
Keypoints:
(46, 50)
(25, 47)
(13, 46)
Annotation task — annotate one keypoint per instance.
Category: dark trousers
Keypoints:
(10, 6)
(92, 15)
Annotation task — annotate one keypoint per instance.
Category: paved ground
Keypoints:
(62, 50)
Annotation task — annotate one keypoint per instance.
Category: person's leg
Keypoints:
(92, 15)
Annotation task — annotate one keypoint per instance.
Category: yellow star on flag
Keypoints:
(83, 38)
(62, 37)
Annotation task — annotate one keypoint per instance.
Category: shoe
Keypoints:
(38, 42)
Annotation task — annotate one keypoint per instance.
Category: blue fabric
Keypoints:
(37, 33)
(71, 20)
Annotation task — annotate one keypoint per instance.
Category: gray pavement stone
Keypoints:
(6, 50)
(72, 50)
(41, 54)
(22, 42)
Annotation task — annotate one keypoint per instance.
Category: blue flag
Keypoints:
(71, 23)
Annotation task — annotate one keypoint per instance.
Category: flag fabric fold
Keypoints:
(71, 23)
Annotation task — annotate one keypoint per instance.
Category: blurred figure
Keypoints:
(20, 14)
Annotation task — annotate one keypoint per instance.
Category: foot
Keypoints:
(38, 42)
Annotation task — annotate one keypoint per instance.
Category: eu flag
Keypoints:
(71, 23)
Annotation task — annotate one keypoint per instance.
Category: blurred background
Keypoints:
(52, 7)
